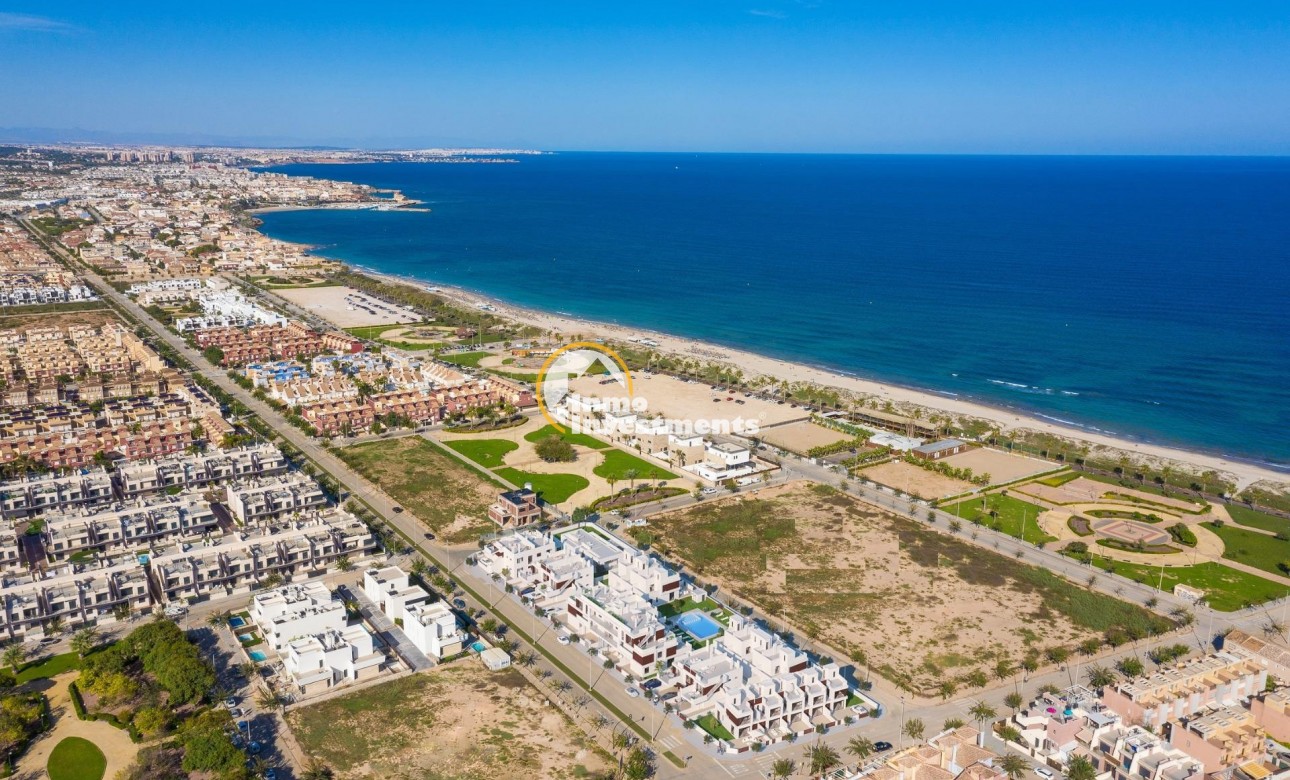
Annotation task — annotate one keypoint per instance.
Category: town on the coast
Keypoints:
(267, 515)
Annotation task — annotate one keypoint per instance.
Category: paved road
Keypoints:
(389, 632)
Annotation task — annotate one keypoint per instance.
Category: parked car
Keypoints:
(632, 692)
(563, 639)
(429, 537)
(707, 491)
(230, 702)
(1044, 772)
(459, 604)
(254, 747)
(650, 685)
(881, 746)
(270, 774)
(398, 509)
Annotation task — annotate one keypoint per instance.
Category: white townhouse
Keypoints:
(262, 498)
(330, 658)
(27, 496)
(293, 611)
(429, 624)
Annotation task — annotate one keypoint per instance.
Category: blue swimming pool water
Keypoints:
(236, 622)
(246, 637)
(478, 647)
(699, 625)
(258, 655)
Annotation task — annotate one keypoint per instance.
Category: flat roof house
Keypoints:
(515, 508)
(940, 449)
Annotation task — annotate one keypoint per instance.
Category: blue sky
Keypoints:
(704, 75)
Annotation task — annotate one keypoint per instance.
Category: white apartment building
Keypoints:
(103, 530)
(140, 478)
(261, 498)
(77, 596)
(324, 660)
(291, 611)
(52, 492)
(1133, 753)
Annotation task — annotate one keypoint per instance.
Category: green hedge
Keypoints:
(78, 704)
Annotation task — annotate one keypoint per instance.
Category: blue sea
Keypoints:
(1143, 297)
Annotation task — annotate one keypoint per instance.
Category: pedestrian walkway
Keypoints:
(387, 630)
(115, 743)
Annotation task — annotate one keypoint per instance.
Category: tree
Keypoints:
(822, 758)
(1009, 734)
(913, 729)
(1100, 676)
(860, 747)
(1013, 701)
(1003, 669)
(14, 655)
(84, 640)
(982, 713)
(554, 449)
(947, 689)
(317, 771)
(1013, 765)
(952, 723)
(639, 766)
(218, 619)
(266, 699)
(247, 669)
(1130, 667)
(783, 768)
(343, 563)
(1080, 768)
(152, 720)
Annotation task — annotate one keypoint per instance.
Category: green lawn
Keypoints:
(710, 724)
(617, 463)
(76, 759)
(1011, 514)
(428, 482)
(469, 359)
(54, 665)
(552, 488)
(1176, 493)
(1057, 480)
(486, 452)
(1254, 519)
(674, 608)
(1228, 589)
(580, 439)
(1252, 548)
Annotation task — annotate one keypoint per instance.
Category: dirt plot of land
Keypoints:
(921, 607)
(461, 721)
(1001, 466)
(1082, 490)
(682, 400)
(450, 498)
(914, 480)
(801, 436)
(345, 306)
(12, 319)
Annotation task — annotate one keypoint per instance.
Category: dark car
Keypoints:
(459, 604)
(398, 510)
(429, 537)
(881, 746)
(650, 685)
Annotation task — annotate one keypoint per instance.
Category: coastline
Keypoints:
(379, 205)
(1244, 473)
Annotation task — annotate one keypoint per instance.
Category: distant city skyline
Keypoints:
(760, 76)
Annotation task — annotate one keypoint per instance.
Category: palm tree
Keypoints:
(783, 768)
(1003, 669)
(247, 669)
(266, 699)
(952, 723)
(1013, 765)
(982, 713)
(630, 475)
(83, 641)
(14, 655)
(217, 619)
(822, 757)
(317, 771)
(860, 747)
(620, 742)
(1100, 676)
(1080, 768)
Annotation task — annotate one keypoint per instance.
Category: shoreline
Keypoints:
(1243, 472)
(379, 205)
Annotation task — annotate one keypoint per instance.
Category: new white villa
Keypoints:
(309, 628)
(637, 613)
(430, 625)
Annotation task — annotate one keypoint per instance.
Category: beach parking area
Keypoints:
(346, 307)
(914, 480)
(678, 399)
(801, 436)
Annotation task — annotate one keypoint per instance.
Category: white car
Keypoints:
(1044, 772)
(563, 639)
(707, 491)
(632, 692)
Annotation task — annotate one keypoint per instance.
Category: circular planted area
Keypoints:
(76, 759)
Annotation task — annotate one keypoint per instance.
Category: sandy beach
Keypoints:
(1244, 474)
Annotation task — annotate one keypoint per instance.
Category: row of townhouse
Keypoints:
(261, 498)
(238, 564)
(31, 494)
(308, 627)
(301, 391)
(11, 559)
(188, 471)
(137, 441)
(1199, 726)
(72, 595)
(419, 406)
(429, 623)
(26, 292)
(89, 389)
(262, 342)
(143, 523)
(753, 682)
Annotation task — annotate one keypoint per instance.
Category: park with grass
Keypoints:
(576, 439)
(489, 453)
(1226, 589)
(620, 466)
(75, 758)
(551, 488)
(1004, 513)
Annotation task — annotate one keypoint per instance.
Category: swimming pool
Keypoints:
(236, 622)
(258, 655)
(699, 625)
(478, 647)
